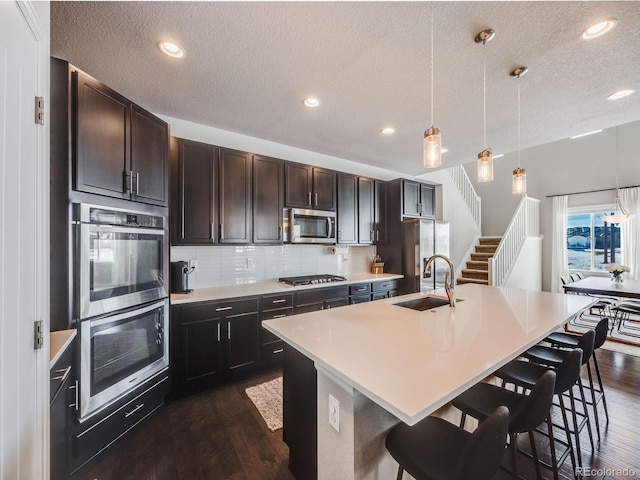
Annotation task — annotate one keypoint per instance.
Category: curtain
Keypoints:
(559, 242)
(630, 200)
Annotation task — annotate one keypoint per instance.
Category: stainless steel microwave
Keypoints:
(309, 226)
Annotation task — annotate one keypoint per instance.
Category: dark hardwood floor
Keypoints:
(220, 435)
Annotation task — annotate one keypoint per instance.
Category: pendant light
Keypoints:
(519, 179)
(624, 216)
(485, 158)
(432, 149)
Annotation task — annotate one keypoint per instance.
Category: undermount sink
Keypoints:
(424, 303)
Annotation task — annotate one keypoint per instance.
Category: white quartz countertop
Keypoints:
(59, 341)
(410, 362)
(268, 287)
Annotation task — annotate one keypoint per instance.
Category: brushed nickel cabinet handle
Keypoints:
(76, 404)
(309, 198)
(64, 376)
(218, 332)
(138, 407)
(137, 183)
(280, 300)
(280, 350)
(213, 235)
(223, 309)
(131, 181)
(279, 316)
(316, 199)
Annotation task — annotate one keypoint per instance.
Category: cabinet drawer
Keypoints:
(112, 427)
(277, 301)
(267, 336)
(272, 353)
(384, 285)
(320, 294)
(204, 311)
(359, 288)
(359, 299)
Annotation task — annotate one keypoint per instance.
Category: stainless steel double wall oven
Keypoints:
(121, 301)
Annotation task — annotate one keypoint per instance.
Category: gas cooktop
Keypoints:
(311, 279)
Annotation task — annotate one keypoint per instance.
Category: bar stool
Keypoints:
(434, 449)
(526, 374)
(553, 357)
(571, 340)
(526, 411)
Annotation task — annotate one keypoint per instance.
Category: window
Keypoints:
(591, 242)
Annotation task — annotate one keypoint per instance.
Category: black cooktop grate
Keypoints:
(311, 279)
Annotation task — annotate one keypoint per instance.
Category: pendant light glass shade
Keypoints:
(619, 217)
(519, 181)
(485, 166)
(432, 148)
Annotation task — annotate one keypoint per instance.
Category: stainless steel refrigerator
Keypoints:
(420, 240)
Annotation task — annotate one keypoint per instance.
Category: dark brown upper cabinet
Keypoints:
(268, 200)
(310, 187)
(121, 149)
(347, 229)
(380, 211)
(417, 199)
(366, 233)
(193, 192)
(234, 193)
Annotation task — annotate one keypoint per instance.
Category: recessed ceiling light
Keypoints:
(311, 102)
(584, 134)
(171, 49)
(444, 150)
(387, 130)
(599, 29)
(621, 94)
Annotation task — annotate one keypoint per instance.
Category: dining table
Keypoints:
(619, 314)
(604, 286)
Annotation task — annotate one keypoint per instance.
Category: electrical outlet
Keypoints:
(334, 413)
(193, 264)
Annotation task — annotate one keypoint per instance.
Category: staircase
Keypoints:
(477, 270)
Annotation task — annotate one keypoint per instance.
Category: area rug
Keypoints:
(267, 397)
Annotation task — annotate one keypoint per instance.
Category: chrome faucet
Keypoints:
(449, 278)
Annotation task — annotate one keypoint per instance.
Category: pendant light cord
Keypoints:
(519, 121)
(484, 88)
(432, 64)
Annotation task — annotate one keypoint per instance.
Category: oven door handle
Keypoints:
(117, 229)
(137, 311)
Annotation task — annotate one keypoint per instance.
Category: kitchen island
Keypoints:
(383, 363)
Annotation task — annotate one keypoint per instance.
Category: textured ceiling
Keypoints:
(249, 64)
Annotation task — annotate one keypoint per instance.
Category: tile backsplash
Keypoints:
(235, 265)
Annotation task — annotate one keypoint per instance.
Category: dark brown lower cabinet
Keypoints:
(62, 402)
(299, 408)
(212, 342)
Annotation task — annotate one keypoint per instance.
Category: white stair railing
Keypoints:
(525, 222)
(468, 193)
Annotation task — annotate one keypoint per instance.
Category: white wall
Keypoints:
(223, 138)
(525, 272)
(566, 166)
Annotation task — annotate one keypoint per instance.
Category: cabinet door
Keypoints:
(324, 189)
(102, 139)
(243, 342)
(410, 198)
(380, 211)
(235, 196)
(199, 364)
(365, 211)
(267, 200)
(193, 192)
(298, 185)
(149, 157)
(427, 193)
(347, 209)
